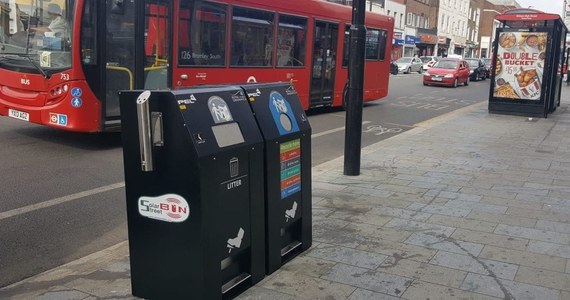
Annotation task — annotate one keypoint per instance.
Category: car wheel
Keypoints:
(425, 83)
(455, 82)
(467, 81)
(420, 70)
(409, 70)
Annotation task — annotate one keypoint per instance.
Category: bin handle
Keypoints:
(145, 138)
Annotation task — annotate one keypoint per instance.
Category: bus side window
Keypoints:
(372, 44)
(346, 46)
(202, 34)
(291, 41)
(252, 37)
(382, 44)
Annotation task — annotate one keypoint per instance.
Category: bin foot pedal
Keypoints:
(294, 245)
(235, 282)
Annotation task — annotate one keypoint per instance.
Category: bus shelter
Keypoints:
(528, 56)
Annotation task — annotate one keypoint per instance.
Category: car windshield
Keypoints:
(446, 64)
(35, 35)
(473, 63)
(425, 59)
(404, 60)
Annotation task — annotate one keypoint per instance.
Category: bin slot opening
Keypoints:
(235, 282)
(294, 245)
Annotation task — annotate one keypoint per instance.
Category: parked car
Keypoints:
(488, 63)
(449, 72)
(428, 61)
(409, 64)
(477, 69)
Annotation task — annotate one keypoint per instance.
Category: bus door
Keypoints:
(119, 55)
(157, 39)
(323, 66)
(128, 56)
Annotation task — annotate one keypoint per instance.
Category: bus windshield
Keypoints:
(35, 35)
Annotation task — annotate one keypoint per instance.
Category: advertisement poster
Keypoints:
(519, 65)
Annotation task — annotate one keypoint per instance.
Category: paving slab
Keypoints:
(507, 289)
(441, 211)
(545, 278)
(380, 282)
(524, 258)
(473, 264)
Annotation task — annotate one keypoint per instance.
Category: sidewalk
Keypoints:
(466, 206)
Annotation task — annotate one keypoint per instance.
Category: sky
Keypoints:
(549, 6)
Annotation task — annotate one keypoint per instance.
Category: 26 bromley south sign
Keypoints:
(168, 208)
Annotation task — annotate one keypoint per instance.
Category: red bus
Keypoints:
(66, 75)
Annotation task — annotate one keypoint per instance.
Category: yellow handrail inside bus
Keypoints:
(153, 67)
(123, 69)
(159, 62)
(128, 71)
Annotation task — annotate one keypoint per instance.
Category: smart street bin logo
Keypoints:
(168, 208)
(282, 114)
(219, 110)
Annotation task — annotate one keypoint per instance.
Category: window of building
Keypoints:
(202, 33)
(252, 37)
(291, 41)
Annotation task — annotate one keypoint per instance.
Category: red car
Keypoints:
(449, 72)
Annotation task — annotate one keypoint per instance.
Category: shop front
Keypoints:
(472, 49)
(459, 49)
(443, 46)
(397, 48)
(427, 42)
(410, 49)
(397, 45)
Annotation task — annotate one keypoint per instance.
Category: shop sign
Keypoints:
(398, 42)
(411, 40)
(397, 35)
(428, 39)
(441, 40)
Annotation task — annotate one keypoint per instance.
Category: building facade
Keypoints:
(397, 9)
(420, 34)
(488, 24)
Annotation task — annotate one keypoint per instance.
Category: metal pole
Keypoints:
(353, 133)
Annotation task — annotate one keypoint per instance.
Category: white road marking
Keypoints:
(99, 190)
(333, 130)
(56, 201)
